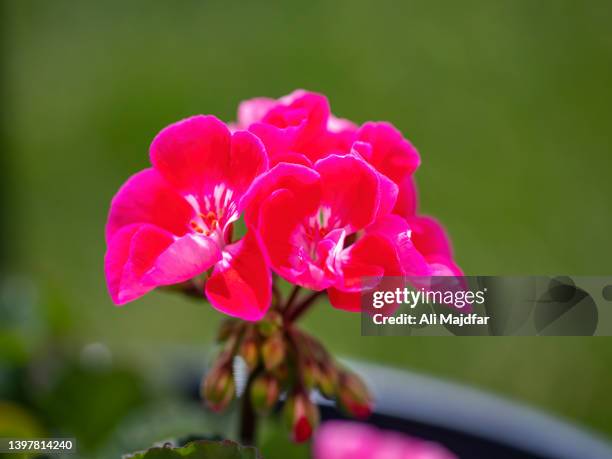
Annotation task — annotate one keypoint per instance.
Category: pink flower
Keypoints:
(316, 225)
(300, 128)
(296, 128)
(431, 240)
(390, 153)
(351, 440)
(340, 207)
(407, 197)
(426, 233)
(172, 222)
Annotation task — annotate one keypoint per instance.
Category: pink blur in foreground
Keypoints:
(352, 440)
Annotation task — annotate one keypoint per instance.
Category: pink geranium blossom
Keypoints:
(390, 153)
(300, 128)
(173, 222)
(255, 110)
(426, 233)
(296, 128)
(337, 210)
(431, 240)
(351, 440)
(317, 225)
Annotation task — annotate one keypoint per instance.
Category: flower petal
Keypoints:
(443, 266)
(301, 181)
(147, 198)
(366, 262)
(253, 110)
(248, 160)
(193, 155)
(241, 285)
(392, 155)
(407, 200)
(142, 257)
(285, 244)
(279, 142)
(130, 254)
(308, 110)
(368, 259)
(296, 124)
(398, 232)
(431, 240)
(279, 221)
(184, 259)
(346, 301)
(429, 236)
(292, 158)
(350, 189)
(388, 195)
(296, 127)
(338, 125)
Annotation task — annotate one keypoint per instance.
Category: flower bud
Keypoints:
(218, 388)
(328, 379)
(302, 416)
(249, 352)
(281, 372)
(309, 372)
(353, 396)
(271, 323)
(273, 351)
(264, 393)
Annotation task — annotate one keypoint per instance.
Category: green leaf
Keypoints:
(202, 449)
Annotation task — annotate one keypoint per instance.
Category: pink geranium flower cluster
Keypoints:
(326, 204)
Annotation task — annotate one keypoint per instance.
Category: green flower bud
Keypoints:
(273, 351)
(328, 379)
(265, 390)
(309, 372)
(353, 396)
(281, 373)
(271, 323)
(218, 388)
(249, 351)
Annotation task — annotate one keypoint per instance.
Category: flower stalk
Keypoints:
(281, 358)
(248, 417)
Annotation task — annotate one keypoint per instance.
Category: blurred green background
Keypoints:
(509, 103)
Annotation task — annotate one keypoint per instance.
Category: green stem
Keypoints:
(248, 417)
